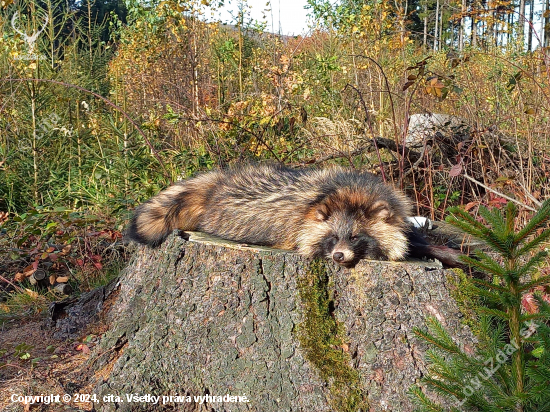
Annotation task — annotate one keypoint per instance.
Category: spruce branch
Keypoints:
(490, 296)
(499, 244)
(495, 312)
(420, 399)
(495, 219)
(465, 227)
(534, 316)
(485, 263)
(545, 280)
(489, 285)
(521, 382)
(441, 344)
(443, 388)
(539, 219)
(465, 217)
(511, 215)
(544, 236)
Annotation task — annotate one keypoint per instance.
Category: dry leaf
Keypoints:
(470, 205)
(31, 293)
(82, 347)
(455, 170)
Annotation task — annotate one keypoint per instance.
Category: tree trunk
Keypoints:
(204, 317)
(436, 29)
(462, 22)
(473, 27)
(425, 40)
(522, 22)
(531, 19)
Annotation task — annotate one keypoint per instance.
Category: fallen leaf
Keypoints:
(31, 293)
(82, 347)
(19, 277)
(470, 205)
(455, 170)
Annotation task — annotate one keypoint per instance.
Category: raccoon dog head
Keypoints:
(348, 228)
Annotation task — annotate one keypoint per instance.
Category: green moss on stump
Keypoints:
(321, 338)
(467, 300)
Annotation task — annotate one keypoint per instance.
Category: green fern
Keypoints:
(510, 370)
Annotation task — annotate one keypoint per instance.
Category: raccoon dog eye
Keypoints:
(354, 238)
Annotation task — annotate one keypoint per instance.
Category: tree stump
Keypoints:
(223, 327)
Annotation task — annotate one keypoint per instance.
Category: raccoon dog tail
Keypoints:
(178, 207)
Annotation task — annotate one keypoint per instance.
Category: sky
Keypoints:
(288, 16)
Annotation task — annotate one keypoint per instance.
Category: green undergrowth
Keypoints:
(71, 247)
(321, 338)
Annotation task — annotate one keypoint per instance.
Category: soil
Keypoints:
(60, 368)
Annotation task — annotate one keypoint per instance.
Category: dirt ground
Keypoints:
(60, 370)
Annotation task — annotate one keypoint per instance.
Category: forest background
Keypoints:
(110, 101)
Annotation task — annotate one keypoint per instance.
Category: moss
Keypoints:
(321, 335)
(465, 297)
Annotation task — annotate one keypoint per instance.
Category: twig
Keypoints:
(11, 283)
(471, 179)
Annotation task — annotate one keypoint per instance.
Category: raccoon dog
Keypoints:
(338, 213)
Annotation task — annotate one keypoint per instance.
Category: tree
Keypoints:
(510, 370)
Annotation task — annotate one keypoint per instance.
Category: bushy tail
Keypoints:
(420, 248)
(178, 207)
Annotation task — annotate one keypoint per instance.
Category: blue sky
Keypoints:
(287, 15)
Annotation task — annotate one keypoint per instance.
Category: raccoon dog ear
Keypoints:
(380, 210)
(321, 212)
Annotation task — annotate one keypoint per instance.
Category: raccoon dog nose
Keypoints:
(338, 256)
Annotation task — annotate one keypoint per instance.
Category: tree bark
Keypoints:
(208, 317)
(436, 29)
(425, 40)
(521, 29)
